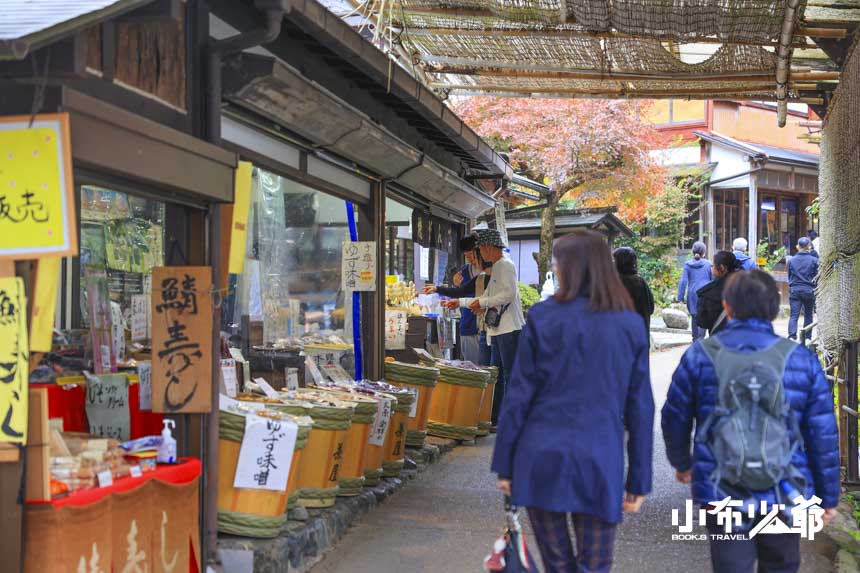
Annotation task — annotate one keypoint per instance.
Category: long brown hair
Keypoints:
(584, 267)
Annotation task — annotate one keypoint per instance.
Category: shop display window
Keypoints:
(291, 282)
(122, 239)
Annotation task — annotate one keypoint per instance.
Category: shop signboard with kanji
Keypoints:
(13, 361)
(37, 205)
(395, 329)
(358, 266)
(181, 339)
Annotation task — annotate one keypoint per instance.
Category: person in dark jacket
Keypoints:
(465, 283)
(627, 265)
(696, 274)
(739, 250)
(709, 314)
(580, 380)
(802, 273)
(752, 303)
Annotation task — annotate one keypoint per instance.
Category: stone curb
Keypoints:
(309, 534)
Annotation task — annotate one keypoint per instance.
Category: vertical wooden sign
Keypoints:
(181, 339)
(13, 361)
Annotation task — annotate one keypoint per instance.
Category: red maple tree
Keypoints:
(593, 151)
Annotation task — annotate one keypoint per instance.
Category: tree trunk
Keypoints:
(547, 234)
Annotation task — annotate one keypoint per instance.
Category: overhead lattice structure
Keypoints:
(701, 49)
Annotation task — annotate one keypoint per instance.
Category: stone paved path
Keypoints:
(446, 520)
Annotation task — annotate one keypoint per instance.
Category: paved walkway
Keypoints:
(446, 521)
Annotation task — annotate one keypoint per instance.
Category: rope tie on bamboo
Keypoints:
(450, 431)
(318, 493)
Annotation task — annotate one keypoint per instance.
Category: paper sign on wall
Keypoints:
(228, 377)
(266, 453)
(37, 203)
(98, 307)
(358, 266)
(395, 329)
(13, 361)
(144, 384)
(117, 332)
(140, 312)
(181, 339)
(107, 406)
(381, 420)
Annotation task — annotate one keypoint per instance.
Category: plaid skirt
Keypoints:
(595, 541)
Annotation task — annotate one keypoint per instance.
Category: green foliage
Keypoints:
(813, 208)
(661, 234)
(529, 296)
(771, 257)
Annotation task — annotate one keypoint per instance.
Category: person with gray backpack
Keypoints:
(749, 416)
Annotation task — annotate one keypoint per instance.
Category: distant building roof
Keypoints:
(526, 222)
(523, 181)
(765, 152)
(26, 25)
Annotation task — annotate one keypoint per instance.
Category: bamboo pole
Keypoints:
(417, 32)
(604, 91)
(591, 74)
(837, 33)
(783, 62)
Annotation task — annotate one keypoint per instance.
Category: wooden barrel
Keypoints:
(251, 512)
(356, 446)
(423, 380)
(376, 450)
(395, 440)
(322, 458)
(485, 414)
(456, 402)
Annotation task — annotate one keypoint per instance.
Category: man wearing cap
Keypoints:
(802, 274)
(503, 311)
(466, 282)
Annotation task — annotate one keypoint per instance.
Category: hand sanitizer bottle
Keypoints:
(167, 449)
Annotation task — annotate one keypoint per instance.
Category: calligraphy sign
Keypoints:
(381, 420)
(395, 329)
(37, 203)
(107, 406)
(266, 453)
(13, 361)
(358, 266)
(181, 339)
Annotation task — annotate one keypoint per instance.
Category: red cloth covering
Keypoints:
(184, 472)
(69, 403)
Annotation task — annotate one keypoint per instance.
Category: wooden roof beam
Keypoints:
(765, 87)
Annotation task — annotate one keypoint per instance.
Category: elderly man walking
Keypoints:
(503, 311)
(739, 250)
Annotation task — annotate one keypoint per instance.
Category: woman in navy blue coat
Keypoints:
(580, 380)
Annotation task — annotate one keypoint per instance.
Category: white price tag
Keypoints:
(291, 375)
(381, 420)
(336, 373)
(266, 388)
(311, 366)
(135, 471)
(228, 376)
(413, 410)
(105, 478)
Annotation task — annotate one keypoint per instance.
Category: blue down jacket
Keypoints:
(693, 394)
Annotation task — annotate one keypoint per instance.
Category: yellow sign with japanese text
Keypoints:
(44, 300)
(37, 206)
(241, 206)
(14, 360)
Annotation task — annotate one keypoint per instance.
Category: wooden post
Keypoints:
(753, 216)
(373, 303)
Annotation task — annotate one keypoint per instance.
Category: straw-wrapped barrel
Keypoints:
(456, 402)
(395, 440)
(252, 512)
(322, 459)
(423, 380)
